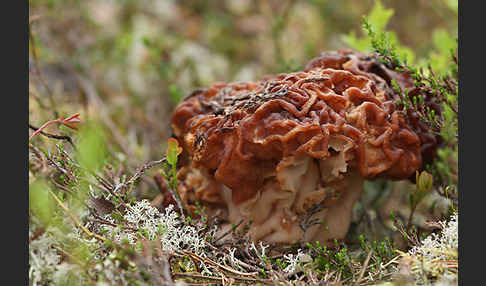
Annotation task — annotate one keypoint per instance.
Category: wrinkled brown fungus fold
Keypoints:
(268, 151)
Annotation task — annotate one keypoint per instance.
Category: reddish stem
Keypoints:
(43, 127)
(69, 122)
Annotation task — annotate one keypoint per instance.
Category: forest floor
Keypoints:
(105, 76)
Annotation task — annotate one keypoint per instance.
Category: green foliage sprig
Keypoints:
(443, 88)
(375, 35)
(169, 171)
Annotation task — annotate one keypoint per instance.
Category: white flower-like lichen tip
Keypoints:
(293, 260)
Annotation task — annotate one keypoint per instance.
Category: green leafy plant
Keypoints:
(169, 168)
(41, 204)
(423, 185)
(442, 86)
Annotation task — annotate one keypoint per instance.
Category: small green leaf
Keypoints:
(40, 202)
(92, 151)
(424, 181)
(173, 150)
(379, 16)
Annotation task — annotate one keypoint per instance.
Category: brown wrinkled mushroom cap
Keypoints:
(268, 151)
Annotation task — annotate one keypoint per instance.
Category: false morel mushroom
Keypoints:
(269, 152)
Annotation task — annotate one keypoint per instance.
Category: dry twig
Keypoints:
(75, 219)
(49, 135)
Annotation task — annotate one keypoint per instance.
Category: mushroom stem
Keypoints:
(337, 218)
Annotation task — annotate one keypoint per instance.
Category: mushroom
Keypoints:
(270, 152)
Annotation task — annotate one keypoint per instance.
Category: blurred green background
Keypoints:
(130, 61)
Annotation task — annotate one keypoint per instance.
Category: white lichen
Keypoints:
(67, 274)
(294, 260)
(43, 259)
(235, 262)
(436, 258)
(441, 246)
(173, 233)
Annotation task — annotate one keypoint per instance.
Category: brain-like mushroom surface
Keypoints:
(270, 151)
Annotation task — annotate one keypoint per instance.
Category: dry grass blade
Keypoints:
(75, 219)
(228, 231)
(365, 265)
(209, 261)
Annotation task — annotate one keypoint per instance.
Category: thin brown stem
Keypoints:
(409, 223)
(53, 136)
(75, 219)
(229, 231)
(111, 224)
